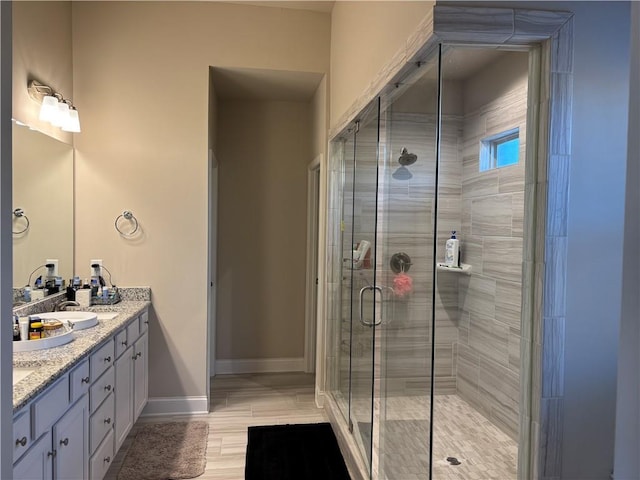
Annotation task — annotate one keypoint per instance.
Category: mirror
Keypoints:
(43, 189)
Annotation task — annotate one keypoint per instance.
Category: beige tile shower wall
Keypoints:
(408, 228)
(491, 242)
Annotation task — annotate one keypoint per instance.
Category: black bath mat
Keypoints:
(294, 452)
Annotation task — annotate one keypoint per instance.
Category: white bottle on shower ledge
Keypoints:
(452, 251)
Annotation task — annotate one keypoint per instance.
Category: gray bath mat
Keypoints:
(162, 451)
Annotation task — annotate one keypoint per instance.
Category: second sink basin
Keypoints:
(77, 320)
(21, 372)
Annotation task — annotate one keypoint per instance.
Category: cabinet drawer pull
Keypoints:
(64, 442)
(85, 380)
(107, 459)
(139, 354)
(107, 359)
(107, 388)
(107, 421)
(21, 441)
(52, 454)
(124, 343)
(147, 322)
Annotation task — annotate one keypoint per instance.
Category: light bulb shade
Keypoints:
(61, 116)
(73, 122)
(48, 108)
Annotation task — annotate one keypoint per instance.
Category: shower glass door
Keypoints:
(406, 230)
(360, 293)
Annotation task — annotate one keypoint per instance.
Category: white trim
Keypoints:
(176, 406)
(259, 365)
(321, 321)
(311, 290)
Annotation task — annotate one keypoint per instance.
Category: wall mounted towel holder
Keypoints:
(19, 213)
(126, 215)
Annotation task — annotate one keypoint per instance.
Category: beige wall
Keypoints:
(141, 74)
(364, 38)
(264, 149)
(41, 51)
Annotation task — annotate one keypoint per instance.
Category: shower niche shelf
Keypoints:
(464, 268)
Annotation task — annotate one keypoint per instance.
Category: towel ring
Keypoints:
(127, 215)
(18, 213)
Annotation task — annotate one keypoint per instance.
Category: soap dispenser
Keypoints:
(452, 251)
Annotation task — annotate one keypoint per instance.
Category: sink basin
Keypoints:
(77, 320)
(21, 372)
(44, 343)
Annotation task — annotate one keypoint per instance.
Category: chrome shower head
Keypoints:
(407, 158)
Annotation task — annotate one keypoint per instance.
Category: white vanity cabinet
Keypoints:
(131, 376)
(60, 451)
(74, 428)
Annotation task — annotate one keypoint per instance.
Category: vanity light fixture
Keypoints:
(54, 108)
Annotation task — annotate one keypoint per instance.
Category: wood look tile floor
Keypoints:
(238, 402)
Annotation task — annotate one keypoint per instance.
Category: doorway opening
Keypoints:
(263, 133)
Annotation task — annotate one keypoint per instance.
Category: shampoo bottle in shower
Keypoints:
(452, 251)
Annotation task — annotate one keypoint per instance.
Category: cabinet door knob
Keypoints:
(52, 454)
(107, 388)
(107, 359)
(21, 441)
(124, 342)
(139, 354)
(64, 442)
(85, 380)
(107, 459)
(107, 421)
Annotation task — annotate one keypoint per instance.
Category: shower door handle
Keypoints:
(362, 320)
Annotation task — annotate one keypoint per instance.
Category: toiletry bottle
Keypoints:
(83, 296)
(26, 296)
(452, 251)
(35, 330)
(16, 329)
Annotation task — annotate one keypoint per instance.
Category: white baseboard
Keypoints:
(260, 365)
(176, 406)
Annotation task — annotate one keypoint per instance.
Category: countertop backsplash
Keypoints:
(127, 294)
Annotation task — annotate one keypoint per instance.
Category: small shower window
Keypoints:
(501, 150)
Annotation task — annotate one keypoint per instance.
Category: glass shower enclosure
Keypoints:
(405, 329)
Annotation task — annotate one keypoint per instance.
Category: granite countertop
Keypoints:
(52, 363)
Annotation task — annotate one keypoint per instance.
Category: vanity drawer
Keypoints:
(21, 434)
(121, 342)
(102, 359)
(50, 406)
(101, 389)
(101, 423)
(100, 462)
(79, 380)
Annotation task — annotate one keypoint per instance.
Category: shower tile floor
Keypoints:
(484, 451)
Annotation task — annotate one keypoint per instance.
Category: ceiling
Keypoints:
(259, 84)
(461, 63)
(313, 5)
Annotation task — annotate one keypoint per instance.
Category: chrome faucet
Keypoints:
(63, 304)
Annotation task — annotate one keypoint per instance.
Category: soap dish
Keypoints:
(464, 268)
